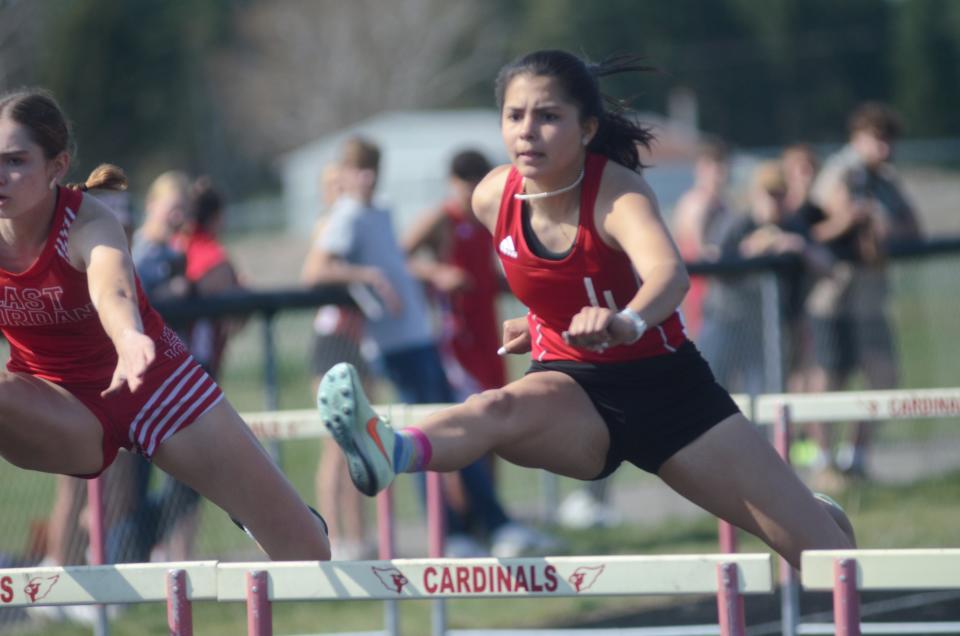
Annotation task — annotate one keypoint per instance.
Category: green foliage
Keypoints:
(129, 74)
(136, 75)
(927, 66)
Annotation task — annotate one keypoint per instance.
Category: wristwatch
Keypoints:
(639, 324)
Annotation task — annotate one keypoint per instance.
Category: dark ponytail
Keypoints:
(618, 135)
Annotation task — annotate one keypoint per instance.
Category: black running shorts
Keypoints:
(653, 407)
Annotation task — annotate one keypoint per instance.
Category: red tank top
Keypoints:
(592, 273)
(47, 316)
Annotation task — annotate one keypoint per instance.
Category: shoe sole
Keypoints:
(337, 405)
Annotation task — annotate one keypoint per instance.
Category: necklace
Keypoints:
(543, 195)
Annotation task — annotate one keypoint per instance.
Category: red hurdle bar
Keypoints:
(730, 601)
(846, 598)
(179, 609)
(259, 611)
(789, 583)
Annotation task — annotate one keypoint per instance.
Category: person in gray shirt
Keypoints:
(865, 208)
(358, 247)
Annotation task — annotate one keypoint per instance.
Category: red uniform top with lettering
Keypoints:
(592, 273)
(55, 334)
(474, 331)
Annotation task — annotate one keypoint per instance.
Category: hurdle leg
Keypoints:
(179, 610)
(727, 534)
(846, 598)
(259, 611)
(435, 533)
(729, 601)
(789, 586)
(386, 552)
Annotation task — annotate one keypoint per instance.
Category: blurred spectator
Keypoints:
(800, 165)
(698, 219)
(209, 271)
(453, 253)
(337, 337)
(359, 246)
(865, 208)
(732, 336)
(161, 267)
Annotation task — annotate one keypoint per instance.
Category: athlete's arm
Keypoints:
(424, 232)
(426, 236)
(487, 195)
(98, 246)
(629, 220)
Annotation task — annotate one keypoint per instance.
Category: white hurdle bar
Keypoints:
(727, 576)
(846, 572)
(864, 406)
(176, 583)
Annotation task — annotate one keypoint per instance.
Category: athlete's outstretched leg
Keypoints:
(221, 459)
(733, 472)
(543, 420)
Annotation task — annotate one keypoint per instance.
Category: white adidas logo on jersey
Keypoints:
(507, 247)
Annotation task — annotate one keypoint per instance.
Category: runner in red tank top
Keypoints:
(92, 367)
(616, 378)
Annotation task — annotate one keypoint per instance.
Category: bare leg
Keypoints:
(43, 427)
(881, 373)
(822, 380)
(220, 458)
(336, 493)
(183, 537)
(65, 545)
(734, 473)
(543, 420)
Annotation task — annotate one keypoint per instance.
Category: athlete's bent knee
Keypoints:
(493, 404)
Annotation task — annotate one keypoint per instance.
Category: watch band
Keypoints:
(639, 324)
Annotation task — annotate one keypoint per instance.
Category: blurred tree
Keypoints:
(309, 67)
(764, 72)
(131, 75)
(222, 86)
(20, 22)
(926, 57)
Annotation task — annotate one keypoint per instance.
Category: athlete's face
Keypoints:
(25, 173)
(542, 128)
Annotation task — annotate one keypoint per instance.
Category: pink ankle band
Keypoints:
(423, 445)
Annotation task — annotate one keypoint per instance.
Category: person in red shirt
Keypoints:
(461, 271)
(92, 368)
(613, 377)
(208, 270)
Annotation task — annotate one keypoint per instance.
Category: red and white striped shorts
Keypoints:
(174, 394)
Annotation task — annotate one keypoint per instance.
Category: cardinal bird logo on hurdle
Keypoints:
(38, 587)
(392, 578)
(584, 577)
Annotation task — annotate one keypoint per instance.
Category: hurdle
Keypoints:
(728, 576)
(783, 410)
(176, 583)
(847, 572)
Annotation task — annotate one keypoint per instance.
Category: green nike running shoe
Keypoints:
(366, 439)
